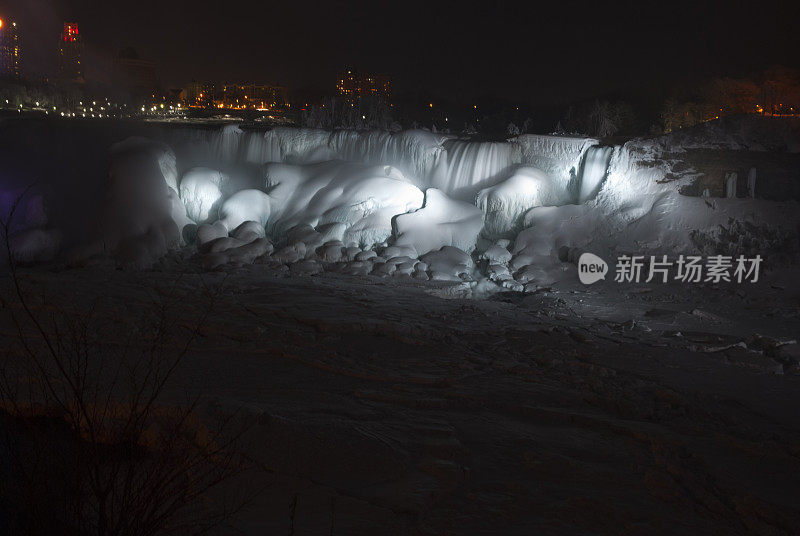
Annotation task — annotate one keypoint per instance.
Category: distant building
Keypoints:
(10, 51)
(133, 73)
(198, 94)
(353, 86)
(349, 85)
(70, 53)
(250, 96)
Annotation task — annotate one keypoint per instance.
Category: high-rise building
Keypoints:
(354, 86)
(70, 64)
(10, 50)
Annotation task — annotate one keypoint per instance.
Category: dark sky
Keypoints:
(527, 51)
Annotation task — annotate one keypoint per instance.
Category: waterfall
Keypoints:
(416, 153)
(471, 166)
(225, 144)
(593, 172)
(576, 166)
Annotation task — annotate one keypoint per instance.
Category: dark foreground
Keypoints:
(379, 408)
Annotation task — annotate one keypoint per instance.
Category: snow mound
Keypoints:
(503, 205)
(245, 206)
(549, 228)
(363, 198)
(136, 222)
(209, 232)
(496, 254)
(201, 191)
(441, 222)
(161, 152)
(448, 264)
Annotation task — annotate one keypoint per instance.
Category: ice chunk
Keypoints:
(200, 191)
(248, 231)
(357, 268)
(366, 255)
(206, 233)
(399, 251)
(441, 222)
(245, 205)
(351, 253)
(549, 228)
(496, 255)
(330, 252)
(448, 264)
(505, 204)
(290, 254)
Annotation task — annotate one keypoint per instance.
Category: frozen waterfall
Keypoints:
(576, 167)
(593, 171)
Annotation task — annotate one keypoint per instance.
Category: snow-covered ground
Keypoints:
(378, 407)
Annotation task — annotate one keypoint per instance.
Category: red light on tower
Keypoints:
(71, 33)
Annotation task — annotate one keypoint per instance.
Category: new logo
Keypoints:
(591, 268)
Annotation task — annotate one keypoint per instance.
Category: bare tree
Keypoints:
(94, 446)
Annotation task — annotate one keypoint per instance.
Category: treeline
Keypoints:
(775, 92)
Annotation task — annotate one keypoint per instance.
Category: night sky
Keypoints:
(526, 51)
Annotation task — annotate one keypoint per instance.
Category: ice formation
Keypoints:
(225, 146)
(415, 152)
(559, 157)
(137, 217)
(470, 166)
(245, 206)
(441, 222)
(504, 205)
(363, 197)
(306, 201)
(200, 192)
(457, 167)
(593, 171)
